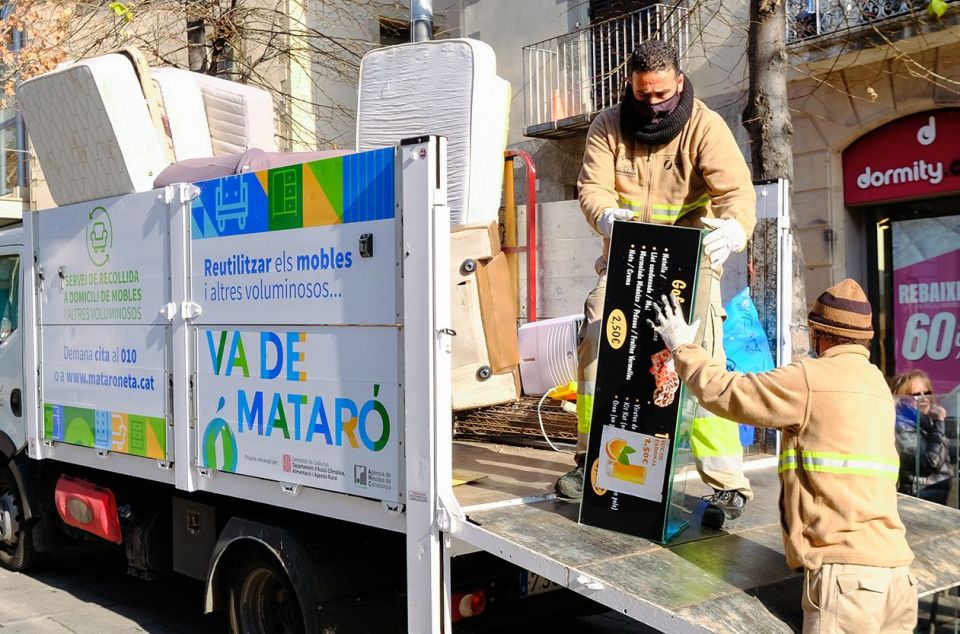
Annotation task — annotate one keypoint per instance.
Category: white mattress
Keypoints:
(185, 114)
(239, 117)
(448, 88)
(91, 130)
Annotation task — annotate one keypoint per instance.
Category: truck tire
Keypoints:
(16, 540)
(261, 598)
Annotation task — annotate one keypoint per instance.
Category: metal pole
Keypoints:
(510, 227)
(421, 20)
(21, 132)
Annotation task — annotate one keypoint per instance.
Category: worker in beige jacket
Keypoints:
(662, 156)
(838, 461)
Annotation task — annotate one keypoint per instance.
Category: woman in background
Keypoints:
(920, 437)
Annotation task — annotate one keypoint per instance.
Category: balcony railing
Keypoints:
(809, 19)
(570, 78)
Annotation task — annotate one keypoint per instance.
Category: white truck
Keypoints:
(258, 397)
(220, 388)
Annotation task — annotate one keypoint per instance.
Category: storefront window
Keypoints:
(915, 286)
(910, 200)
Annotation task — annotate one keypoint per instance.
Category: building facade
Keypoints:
(866, 78)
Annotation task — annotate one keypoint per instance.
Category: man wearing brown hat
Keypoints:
(838, 461)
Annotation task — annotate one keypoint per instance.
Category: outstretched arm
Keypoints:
(779, 398)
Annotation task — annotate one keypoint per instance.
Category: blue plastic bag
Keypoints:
(745, 344)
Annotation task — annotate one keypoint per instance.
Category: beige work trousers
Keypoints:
(859, 599)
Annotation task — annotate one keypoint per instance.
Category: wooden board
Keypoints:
(479, 241)
(511, 472)
(470, 347)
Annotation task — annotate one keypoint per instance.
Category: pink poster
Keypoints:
(926, 299)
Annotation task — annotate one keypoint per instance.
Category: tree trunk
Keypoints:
(196, 37)
(767, 119)
(227, 33)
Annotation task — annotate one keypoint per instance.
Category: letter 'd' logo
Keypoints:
(927, 134)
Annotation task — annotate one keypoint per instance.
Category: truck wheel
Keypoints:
(262, 599)
(16, 540)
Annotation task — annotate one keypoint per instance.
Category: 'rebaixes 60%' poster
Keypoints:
(637, 401)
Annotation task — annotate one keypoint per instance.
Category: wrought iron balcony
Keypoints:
(810, 19)
(570, 78)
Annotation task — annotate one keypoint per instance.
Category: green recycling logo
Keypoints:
(219, 446)
(99, 236)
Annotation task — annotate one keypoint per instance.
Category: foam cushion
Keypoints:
(239, 116)
(186, 118)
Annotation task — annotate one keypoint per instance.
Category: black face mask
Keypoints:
(656, 124)
(650, 112)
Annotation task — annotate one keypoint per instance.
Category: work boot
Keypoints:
(722, 506)
(570, 484)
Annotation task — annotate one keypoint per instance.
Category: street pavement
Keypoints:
(86, 591)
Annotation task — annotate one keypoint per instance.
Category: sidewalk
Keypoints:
(86, 590)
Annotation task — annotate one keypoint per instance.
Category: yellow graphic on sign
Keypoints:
(616, 329)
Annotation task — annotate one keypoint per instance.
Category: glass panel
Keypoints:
(679, 511)
(926, 437)
(9, 161)
(927, 432)
(9, 294)
(10, 150)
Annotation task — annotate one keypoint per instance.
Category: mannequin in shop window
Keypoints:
(925, 465)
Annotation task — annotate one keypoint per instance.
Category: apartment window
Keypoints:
(393, 32)
(13, 138)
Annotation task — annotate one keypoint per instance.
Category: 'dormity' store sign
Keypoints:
(913, 157)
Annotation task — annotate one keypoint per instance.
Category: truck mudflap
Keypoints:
(735, 580)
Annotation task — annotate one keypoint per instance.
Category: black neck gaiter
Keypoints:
(663, 128)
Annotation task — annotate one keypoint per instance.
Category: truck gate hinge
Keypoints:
(190, 310)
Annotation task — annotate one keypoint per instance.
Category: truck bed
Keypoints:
(732, 580)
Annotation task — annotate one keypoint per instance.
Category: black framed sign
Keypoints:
(635, 430)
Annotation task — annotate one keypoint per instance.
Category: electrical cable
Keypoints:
(540, 420)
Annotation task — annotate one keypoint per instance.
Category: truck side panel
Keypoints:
(104, 344)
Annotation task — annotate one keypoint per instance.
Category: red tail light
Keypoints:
(468, 604)
(88, 507)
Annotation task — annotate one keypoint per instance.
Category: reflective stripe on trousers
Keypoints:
(715, 445)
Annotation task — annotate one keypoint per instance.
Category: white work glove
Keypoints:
(607, 218)
(727, 236)
(670, 324)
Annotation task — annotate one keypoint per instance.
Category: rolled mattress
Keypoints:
(448, 88)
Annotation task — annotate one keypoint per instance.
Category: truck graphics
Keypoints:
(301, 406)
(99, 236)
(113, 379)
(339, 190)
(306, 265)
(134, 434)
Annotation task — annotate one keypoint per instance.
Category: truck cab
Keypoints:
(12, 424)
